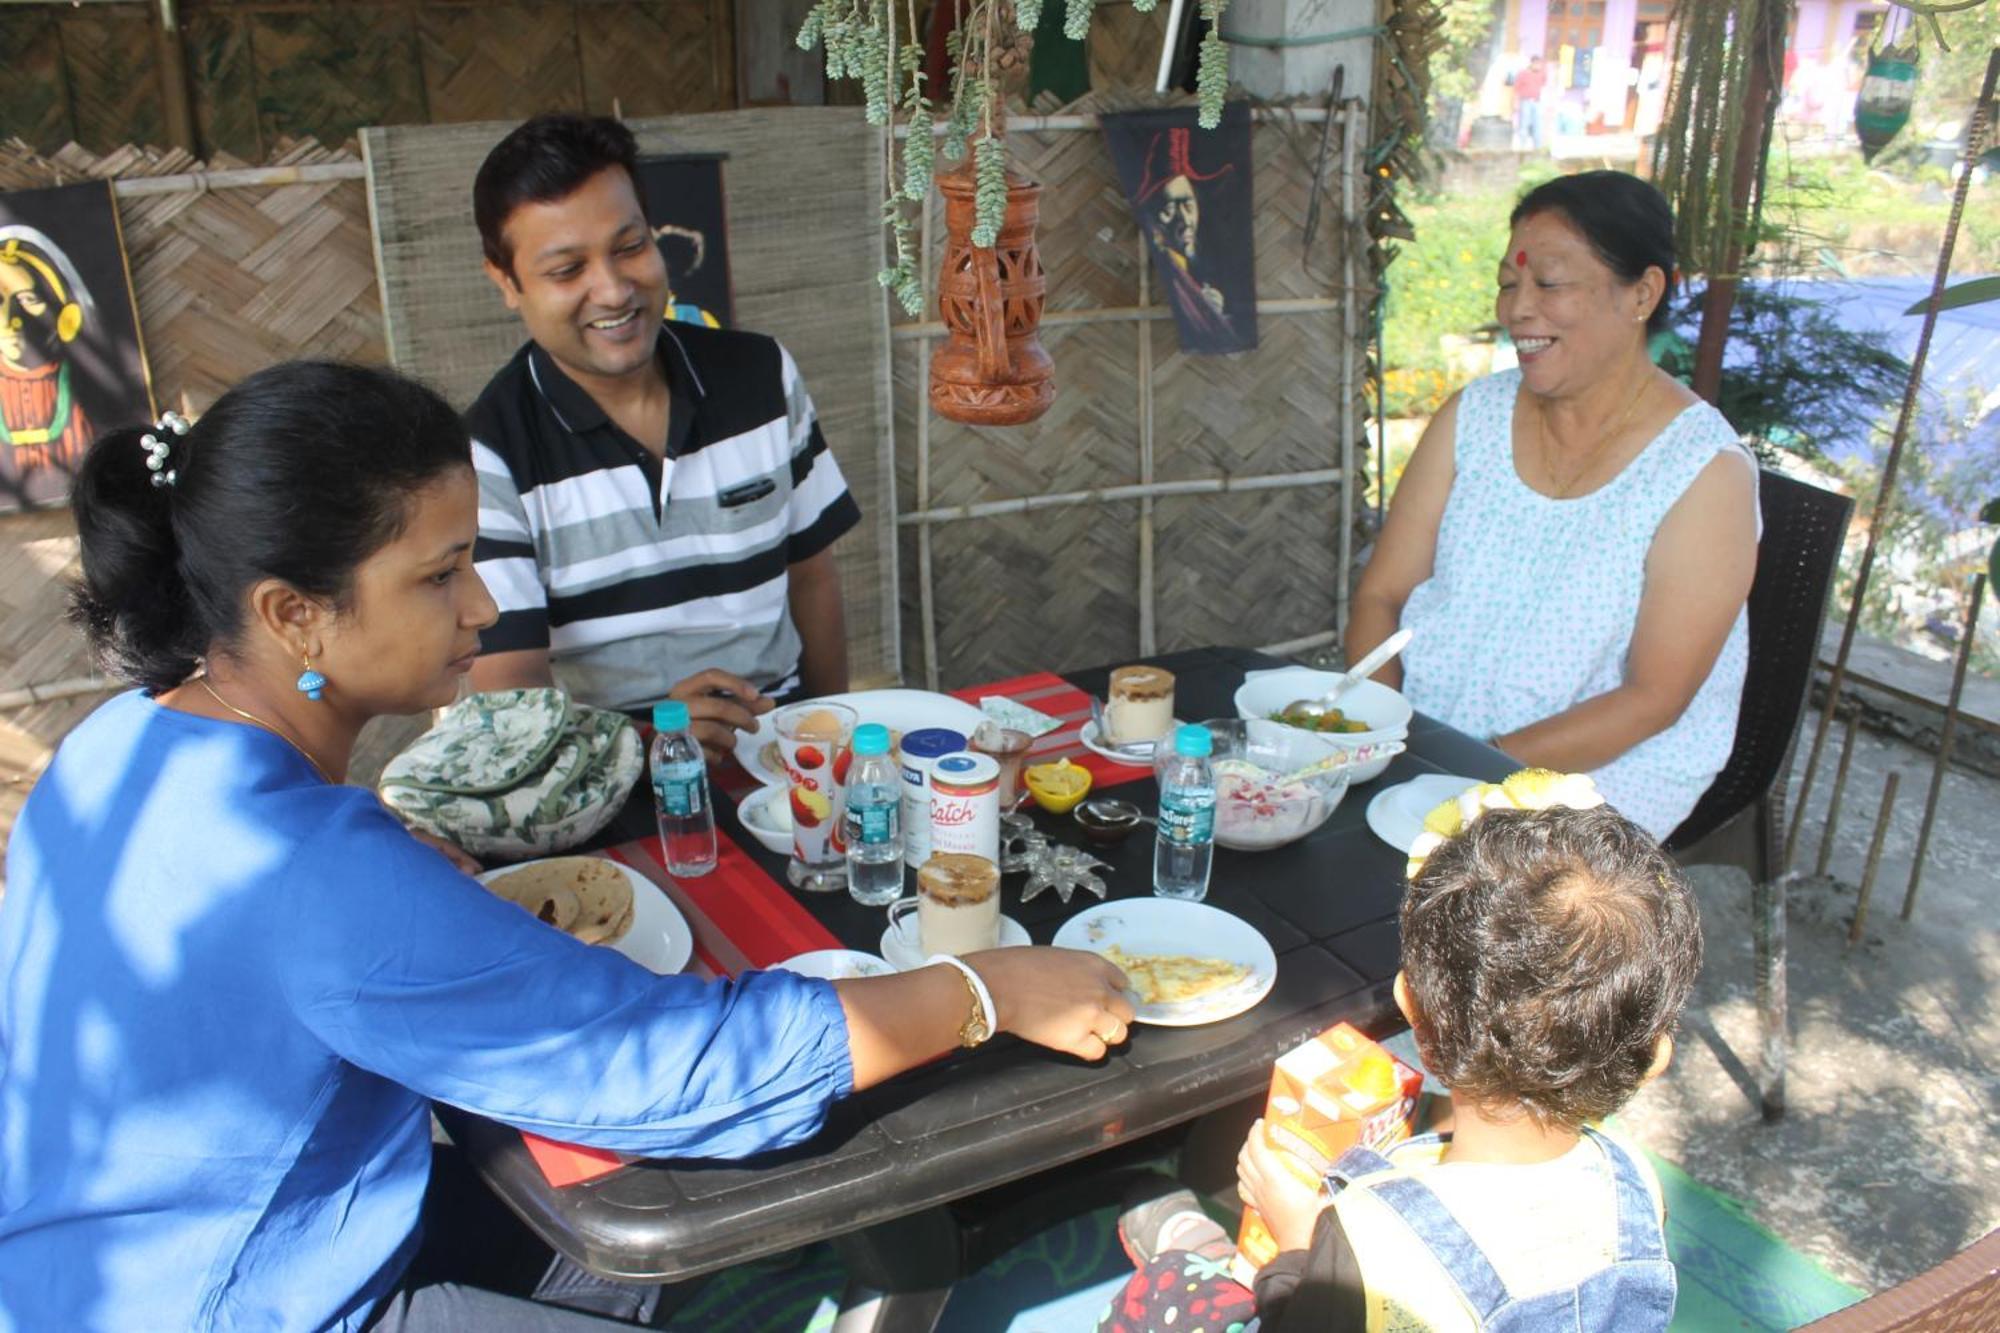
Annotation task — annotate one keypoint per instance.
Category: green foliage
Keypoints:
(989, 200)
(1443, 284)
(1457, 64)
(1795, 381)
(1947, 81)
(876, 42)
(1076, 19)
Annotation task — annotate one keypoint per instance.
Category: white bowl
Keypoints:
(767, 814)
(1253, 813)
(1386, 712)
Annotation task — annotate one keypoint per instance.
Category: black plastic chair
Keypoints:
(1739, 819)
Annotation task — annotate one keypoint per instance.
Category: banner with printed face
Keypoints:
(1189, 189)
(71, 361)
(683, 198)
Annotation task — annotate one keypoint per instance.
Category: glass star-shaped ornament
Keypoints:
(1064, 869)
(1020, 843)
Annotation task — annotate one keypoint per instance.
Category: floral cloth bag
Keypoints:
(514, 773)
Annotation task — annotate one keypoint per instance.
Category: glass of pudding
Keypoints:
(1140, 706)
(957, 906)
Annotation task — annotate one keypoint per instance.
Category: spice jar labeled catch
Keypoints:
(965, 805)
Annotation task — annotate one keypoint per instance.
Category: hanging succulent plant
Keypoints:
(876, 42)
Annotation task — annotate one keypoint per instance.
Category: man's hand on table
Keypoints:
(1066, 999)
(719, 706)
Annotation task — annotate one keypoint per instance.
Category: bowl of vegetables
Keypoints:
(1368, 714)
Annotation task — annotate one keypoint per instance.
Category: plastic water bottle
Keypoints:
(680, 793)
(872, 826)
(1184, 849)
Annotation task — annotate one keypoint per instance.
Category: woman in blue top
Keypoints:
(229, 985)
(1573, 541)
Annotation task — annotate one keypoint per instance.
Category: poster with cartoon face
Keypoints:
(71, 360)
(682, 194)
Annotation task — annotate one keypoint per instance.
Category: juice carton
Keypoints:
(1337, 1091)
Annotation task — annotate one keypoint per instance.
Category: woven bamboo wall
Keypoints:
(259, 70)
(228, 281)
(1058, 588)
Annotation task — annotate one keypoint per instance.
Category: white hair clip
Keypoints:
(157, 448)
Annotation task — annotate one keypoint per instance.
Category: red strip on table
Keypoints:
(1046, 692)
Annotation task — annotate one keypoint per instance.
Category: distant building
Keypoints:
(1607, 63)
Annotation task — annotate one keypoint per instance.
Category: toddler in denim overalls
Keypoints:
(1546, 958)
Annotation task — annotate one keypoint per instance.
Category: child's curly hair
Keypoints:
(1548, 951)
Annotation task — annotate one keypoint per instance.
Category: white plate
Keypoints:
(659, 938)
(1139, 756)
(898, 710)
(903, 952)
(1171, 926)
(1397, 813)
(767, 814)
(836, 964)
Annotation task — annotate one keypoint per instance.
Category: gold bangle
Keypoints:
(978, 1025)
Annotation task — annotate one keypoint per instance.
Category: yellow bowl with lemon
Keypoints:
(1057, 787)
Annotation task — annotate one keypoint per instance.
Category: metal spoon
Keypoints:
(1105, 819)
(1302, 712)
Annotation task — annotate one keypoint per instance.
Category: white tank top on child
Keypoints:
(1531, 603)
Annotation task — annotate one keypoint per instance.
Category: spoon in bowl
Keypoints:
(1305, 712)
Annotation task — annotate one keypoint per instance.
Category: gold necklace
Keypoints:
(1590, 459)
(277, 731)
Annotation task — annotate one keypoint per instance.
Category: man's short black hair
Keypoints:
(541, 160)
(1548, 951)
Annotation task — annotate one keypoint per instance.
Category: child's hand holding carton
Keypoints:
(1337, 1091)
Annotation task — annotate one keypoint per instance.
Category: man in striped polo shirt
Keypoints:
(657, 505)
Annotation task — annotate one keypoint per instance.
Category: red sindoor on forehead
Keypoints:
(1520, 258)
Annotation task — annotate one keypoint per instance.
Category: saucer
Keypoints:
(904, 953)
(1138, 755)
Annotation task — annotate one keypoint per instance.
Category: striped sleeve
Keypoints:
(504, 558)
(822, 509)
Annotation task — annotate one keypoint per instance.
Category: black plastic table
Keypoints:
(981, 1120)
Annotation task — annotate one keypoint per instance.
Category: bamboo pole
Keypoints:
(1148, 626)
(26, 696)
(926, 581)
(1117, 314)
(1070, 121)
(244, 178)
(1874, 859)
(1974, 146)
(1348, 329)
(1112, 494)
(1299, 645)
(1945, 739)
(175, 99)
(1827, 833)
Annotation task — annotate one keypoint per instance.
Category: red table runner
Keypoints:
(742, 918)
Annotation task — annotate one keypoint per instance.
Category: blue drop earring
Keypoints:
(310, 683)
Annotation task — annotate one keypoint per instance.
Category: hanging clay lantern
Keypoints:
(1882, 107)
(992, 369)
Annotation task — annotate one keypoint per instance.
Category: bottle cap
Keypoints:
(670, 715)
(1194, 741)
(871, 738)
